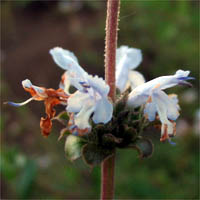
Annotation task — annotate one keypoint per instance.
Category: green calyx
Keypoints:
(123, 131)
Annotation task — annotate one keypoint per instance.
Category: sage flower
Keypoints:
(91, 96)
(156, 101)
(128, 59)
(50, 97)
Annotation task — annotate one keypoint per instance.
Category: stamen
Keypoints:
(19, 104)
(84, 84)
(185, 83)
(72, 127)
(186, 78)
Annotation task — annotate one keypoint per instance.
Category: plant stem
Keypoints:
(111, 44)
(107, 178)
(108, 166)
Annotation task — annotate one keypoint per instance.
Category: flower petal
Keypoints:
(173, 107)
(98, 84)
(180, 77)
(136, 99)
(82, 118)
(161, 103)
(39, 93)
(180, 73)
(103, 111)
(157, 84)
(65, 83)
(126, 59)
(135, 79)
(122, 78)
(76, 101)
(46, 126)
(150, 111)
(157, 98)
(66, 60)
(46, 123)
(74, 128)
(167, 131)
(79, 82)
(49, 104)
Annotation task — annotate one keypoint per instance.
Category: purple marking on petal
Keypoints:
(84, 90)
(72, 127)
(186, 78)
(84, 84)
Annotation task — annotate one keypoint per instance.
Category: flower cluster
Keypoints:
(89, 105)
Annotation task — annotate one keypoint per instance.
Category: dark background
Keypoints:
(32, 167)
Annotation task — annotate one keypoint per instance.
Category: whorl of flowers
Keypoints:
(92, 116)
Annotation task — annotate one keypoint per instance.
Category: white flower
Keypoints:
(157, 101)
(91, 96)
(128, 59)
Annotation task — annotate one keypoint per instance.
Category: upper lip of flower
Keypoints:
(127, 59)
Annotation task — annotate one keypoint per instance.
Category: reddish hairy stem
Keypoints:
(111, 44)
(107, 178)
(108, 166)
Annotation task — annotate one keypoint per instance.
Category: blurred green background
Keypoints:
(32, 167)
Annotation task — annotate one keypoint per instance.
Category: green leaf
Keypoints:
(73, 147)
(145, 147)
(94, 155)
